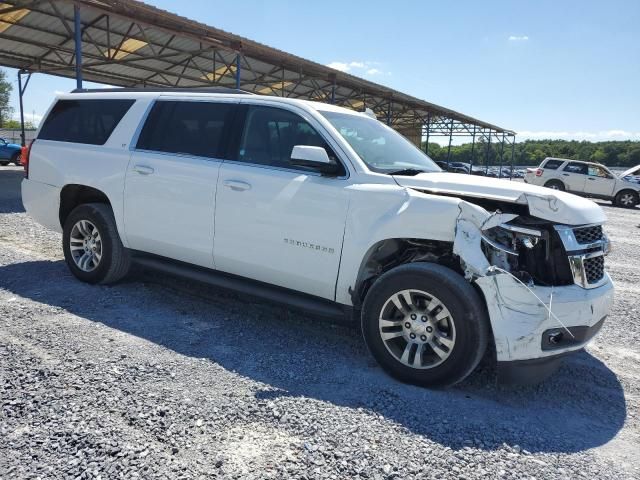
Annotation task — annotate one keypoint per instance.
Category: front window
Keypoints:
(596, 171)
(270, 135)
(383, 149)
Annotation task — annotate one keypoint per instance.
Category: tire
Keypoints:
(4, 163)
(114, 261)
(15, 158)
(463, 323)
(626, 199)
(555, 185)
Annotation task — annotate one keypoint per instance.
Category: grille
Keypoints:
(588, 234)
(594, 269)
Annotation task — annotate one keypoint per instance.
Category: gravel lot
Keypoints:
(160, 378)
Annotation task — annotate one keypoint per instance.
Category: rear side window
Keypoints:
(193, 128)
(575, 167)
(84, 121)
(553, 164)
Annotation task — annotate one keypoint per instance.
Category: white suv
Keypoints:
(587, 179)
(326, 209)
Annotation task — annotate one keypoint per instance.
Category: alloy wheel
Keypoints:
(417, 329)
(627, 199)
(85, 245)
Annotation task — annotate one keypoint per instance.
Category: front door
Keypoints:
(170, 188)
(600, 182)
(274, 222)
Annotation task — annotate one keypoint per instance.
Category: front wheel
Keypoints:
(555, 185)
(626, 199)
(92, 247)
(16, 158)
(425, 324)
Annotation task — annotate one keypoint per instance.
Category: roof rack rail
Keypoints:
(233, 91)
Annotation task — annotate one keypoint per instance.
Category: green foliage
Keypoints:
(5, 95)
(16, 124)
(532, 152)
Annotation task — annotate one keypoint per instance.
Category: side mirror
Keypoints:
(315, 158)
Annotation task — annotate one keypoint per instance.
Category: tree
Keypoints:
(5, 96)
(28, 125)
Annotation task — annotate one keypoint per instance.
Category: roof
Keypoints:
(199, 93)
(129, 43)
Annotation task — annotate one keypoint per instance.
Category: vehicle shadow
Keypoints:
(10, 197)
(295, 355)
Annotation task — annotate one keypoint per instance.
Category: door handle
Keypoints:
(143, 169)
(237, 185)
(589, 178)
(565, 174)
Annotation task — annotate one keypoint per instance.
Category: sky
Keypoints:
(546, 69)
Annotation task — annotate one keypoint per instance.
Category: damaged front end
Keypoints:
(544, 284)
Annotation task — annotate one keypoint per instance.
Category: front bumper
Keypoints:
(525, 330)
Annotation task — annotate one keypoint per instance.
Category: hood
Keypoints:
(632, 171)
(13, 145)
(544, 203)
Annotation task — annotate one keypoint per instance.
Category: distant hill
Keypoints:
(532, 152)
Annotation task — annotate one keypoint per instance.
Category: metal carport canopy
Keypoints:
(129, 43)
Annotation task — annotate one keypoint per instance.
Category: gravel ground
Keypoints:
(161, 378)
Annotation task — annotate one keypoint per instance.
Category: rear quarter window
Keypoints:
(84, 121)
(552, 164)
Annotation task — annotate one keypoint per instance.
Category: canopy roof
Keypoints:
(132, 44)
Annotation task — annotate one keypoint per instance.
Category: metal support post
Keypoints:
(450, 138)
(513, 147)
(78, 44)
(426, 147)
(21, 90)
(333, 88)
(486, 155)
(501, 155)
(473, 147)
(238, 70)
(389, 113)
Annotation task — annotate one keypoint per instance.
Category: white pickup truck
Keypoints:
(326, 209)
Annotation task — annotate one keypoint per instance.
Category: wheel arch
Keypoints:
(73, 195)
(389, 253)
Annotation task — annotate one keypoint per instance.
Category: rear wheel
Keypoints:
(626, 199)
(425, 324)
(92, 247)
(555, 185)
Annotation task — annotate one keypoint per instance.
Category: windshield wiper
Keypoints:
(406, 171)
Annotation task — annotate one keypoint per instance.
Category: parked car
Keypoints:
(632, 175)
(454, 167)
(585, 178)
(326, 209)
(9, 153)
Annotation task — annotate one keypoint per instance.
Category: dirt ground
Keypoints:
(160, 378)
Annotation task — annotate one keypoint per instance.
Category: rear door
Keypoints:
(600, 182)
(275, 222)
(171, 181)
(574, 176)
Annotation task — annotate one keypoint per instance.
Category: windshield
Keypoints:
(383, 149)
